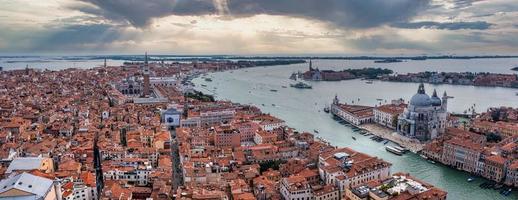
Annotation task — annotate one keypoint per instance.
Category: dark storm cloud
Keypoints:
(139, 13)
(345, 13)
(73, 37)
(478, 25)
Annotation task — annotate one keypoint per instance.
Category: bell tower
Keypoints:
(145, 74)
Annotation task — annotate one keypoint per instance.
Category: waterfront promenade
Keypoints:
(389, 134)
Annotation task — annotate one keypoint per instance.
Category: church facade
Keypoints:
(425, 117)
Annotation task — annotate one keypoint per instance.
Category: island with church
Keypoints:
(315, 74)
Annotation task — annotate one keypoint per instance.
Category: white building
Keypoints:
(26, 186)
(138, 177)
(25, 164)
(296, 188)
(425, 118)
(346, 168)
(216, 116)
(77, 190)
(387, 115)
(353, 114)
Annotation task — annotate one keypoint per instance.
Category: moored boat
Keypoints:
(393, 150)
(402, 149)
(326, 109)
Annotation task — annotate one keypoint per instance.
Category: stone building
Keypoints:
(425, 118)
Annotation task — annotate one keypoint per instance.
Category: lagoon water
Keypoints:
(53, 62)
(302, 109)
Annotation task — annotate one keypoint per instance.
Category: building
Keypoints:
(227, 136)
(425, 118)
(353, 114)
(130, 86)
(326, 192)
(315, 74)
(268, 122)
(216, 116)
(346, 168)
(387, 115)
(265, 137)
(495, 167)
(27, 187)
(80, 189)
(462, 154)
(512, 174)
(296, 188)
(25, 164)
(398, 187)
(145, 75)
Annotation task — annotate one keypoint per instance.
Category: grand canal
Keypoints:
(302, 109)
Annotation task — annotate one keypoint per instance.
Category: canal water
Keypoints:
(302, 109)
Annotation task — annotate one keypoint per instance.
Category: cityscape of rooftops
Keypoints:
(259, 99)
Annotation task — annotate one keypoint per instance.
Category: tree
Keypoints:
(493, 137)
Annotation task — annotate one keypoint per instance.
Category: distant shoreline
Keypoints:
(160, 57)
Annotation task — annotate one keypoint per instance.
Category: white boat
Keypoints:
(400, 148)
(393, 150)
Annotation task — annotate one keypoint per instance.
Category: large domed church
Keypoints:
(425, 117)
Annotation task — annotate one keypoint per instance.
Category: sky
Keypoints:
(252, 27)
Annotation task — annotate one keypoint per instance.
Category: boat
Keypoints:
(273, 90)
(203, 85)
(386, 142)
(326, 109)
(273, 104)
(393, 150)
(293, 76)
(471, 179)
(208, 79)
(517, 94)
(315, 131)
(402, 149)
(301, 85)
(284, 86)
(354, 138)
(369, 82)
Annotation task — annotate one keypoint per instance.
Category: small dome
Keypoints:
(436, 101)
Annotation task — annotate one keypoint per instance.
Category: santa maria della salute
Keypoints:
(425, 117)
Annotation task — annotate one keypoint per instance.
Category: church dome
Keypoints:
(436, 101)
(421, 98)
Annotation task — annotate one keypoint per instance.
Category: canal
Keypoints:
(302, 109)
